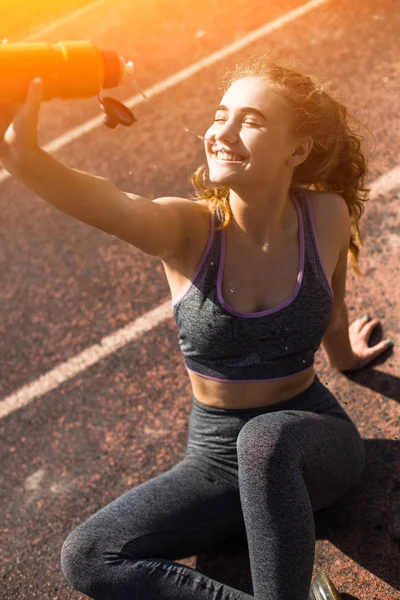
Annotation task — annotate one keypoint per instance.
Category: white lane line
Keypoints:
(75, 15)
(109, 344)
(386, 183)
(85, 359)
(77, 132)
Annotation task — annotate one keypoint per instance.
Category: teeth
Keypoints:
(225, 156)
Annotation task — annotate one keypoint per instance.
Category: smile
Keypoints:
(227, 157)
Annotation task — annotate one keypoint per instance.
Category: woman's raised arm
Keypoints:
(158, 227)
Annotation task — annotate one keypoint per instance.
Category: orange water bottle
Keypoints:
(72, 69)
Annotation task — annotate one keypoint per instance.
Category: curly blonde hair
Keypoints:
(336, 162)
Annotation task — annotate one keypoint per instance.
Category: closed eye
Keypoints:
(252, 123)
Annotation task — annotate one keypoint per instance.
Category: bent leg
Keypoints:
(291, 463)
(124, 551)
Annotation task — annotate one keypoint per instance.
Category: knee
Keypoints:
(267, 437)
(78, 560)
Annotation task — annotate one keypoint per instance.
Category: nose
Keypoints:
(224, 131)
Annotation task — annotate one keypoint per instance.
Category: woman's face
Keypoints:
(250, 139)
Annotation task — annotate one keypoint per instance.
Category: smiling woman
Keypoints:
(268, 443)
(254, 282)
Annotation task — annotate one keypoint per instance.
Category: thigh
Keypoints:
(333, 458)
(327, 450)
(179, 513)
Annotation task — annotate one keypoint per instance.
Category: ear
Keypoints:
(301, 151)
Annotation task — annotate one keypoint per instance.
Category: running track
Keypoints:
(78, 427)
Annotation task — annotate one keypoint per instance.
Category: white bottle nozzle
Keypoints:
(127, 68)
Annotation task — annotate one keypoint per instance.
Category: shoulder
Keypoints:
(194, 223)
(193, 215)
(331, 212)
(326, 200)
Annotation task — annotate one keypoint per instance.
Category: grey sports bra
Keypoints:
(221, 343)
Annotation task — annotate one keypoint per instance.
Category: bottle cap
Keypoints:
(112, 69)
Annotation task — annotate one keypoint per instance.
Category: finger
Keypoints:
(359, 323)
(377, 349)
(27, 118)
(369, 326)
(35, 91)
(34, 98)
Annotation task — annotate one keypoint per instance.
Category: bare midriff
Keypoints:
(249, 394)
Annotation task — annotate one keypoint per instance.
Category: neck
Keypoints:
(262, 216)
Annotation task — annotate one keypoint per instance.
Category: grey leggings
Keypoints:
(262, 470)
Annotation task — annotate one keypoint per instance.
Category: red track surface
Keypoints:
(65, 285)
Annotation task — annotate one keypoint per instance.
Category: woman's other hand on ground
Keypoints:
(359, 333)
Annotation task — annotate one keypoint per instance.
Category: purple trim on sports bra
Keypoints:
(201, 262)
(248, 380)
(296, 290)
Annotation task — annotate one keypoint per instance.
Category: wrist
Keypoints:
(349, 365)
(18, 161)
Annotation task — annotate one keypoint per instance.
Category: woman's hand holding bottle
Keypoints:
(19, 124)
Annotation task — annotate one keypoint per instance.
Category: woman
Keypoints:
(256, 267)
